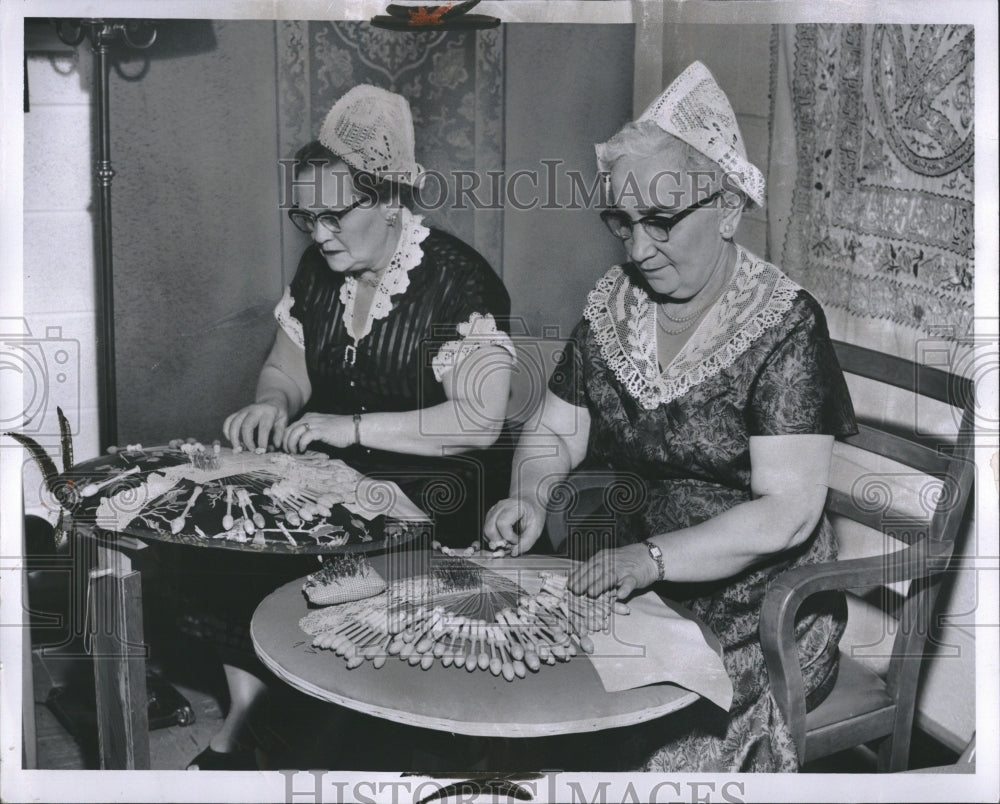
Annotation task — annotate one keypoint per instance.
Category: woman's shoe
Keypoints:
(210, 759)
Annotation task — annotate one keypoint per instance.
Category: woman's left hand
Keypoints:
(625, 568)
(335, 431)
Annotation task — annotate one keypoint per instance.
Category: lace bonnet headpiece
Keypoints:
(371, 129)
(696, 110)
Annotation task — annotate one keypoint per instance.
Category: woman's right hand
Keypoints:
(251, 427)
(528, 517)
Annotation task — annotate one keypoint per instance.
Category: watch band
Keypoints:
(657, 555)
(357, 429)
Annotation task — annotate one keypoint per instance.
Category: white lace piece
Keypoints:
(395, 278)
(289, 323)
(695, 109)
(371, 129)
(480, 330)
(624, 324)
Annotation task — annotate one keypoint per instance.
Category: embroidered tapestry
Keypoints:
(881, 219)
(454, 83)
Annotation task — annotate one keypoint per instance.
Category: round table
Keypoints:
(564, 698)
(123, 475)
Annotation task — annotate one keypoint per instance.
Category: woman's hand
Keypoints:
(625, 568)
(515, 512)
(335, 431)
(265, 419)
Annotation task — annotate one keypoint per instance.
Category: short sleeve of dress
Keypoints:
(476, 314)
(567, 377)
(287, 321)
(800, 389)
(290, 312)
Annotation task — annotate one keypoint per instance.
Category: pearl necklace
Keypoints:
(693, 320)
(688, 320)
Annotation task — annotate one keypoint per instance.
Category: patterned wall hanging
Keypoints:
(882, 210)
(453, 81)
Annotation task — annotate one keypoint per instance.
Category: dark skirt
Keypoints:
(209, 594)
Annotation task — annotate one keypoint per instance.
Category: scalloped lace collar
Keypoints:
(624, 323)
(395, 278)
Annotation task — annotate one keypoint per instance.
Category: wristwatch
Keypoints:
(657, 555)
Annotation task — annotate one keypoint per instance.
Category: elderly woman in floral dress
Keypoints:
(705, 371)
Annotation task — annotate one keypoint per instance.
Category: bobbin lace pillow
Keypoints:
(624, 323)
(480, 330)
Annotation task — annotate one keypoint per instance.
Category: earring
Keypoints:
(727, 231)
(391, 218)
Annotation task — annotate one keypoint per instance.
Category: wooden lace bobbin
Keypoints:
(287, 535)
(422, 644)
(453, 649)
(444, 643)
(257, 516)
(553, 640)
(458, 647)
(447, 657)
(430, 635)
(472, 657)
(414, 634)
(227, 520)
(359, 641)
(528, 657)
(470, 662)
(557, 630)
(92, 489)
(506, 666)
(326, 639)
(177, 524)
(539, 649)
(483, 660)
(242, 498)
(495, 663)
(325, 503)
(341, 644)
(417, 621)
(466, 652)
(516, 649)
(444, 648)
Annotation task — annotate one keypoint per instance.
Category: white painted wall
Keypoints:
(59, 255)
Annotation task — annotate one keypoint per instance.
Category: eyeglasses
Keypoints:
(656, 226)
(306, 221)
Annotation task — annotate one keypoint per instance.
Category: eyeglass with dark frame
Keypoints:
(657, 226)
(305, 221)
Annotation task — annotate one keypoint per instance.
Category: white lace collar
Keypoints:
(624, 324)
(395, 278)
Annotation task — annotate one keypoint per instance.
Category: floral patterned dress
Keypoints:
(760, 363)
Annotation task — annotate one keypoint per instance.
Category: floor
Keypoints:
(296, 731)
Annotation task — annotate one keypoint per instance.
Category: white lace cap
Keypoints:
(371, 129)
(696, 110)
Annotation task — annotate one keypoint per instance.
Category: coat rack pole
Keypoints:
(139, 35)
(105, 283)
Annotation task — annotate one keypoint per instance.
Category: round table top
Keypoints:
(132, 498)
(564, 698)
